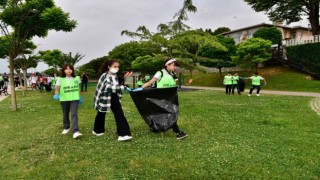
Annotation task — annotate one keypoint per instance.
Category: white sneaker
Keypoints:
(124, 138)
(97, 134)
(257, 95)
(249, 94)
(65, 131)
(77, 135)
(128, 137)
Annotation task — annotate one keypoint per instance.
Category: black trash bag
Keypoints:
(241, 85)
(158, 107)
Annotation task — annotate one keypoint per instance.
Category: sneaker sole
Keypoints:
(182, 137)
(78, 137)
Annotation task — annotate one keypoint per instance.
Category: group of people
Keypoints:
(107, 98)
(232, 82)
(41, 82)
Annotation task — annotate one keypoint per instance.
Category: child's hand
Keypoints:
(80, 100)
(56, 97)
(138, 89)
(128, 89)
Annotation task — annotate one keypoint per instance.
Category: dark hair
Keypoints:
(105, 66)
(63, 74)
(175, 62)
(255, 73)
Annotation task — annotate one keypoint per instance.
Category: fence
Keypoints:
(293, 42)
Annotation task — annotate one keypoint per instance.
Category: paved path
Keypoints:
(287, 93)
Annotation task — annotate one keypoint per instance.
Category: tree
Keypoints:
(148, 64)
(69, 59)
(52, 58)
(20, 21)
(25, 62)
(170, 29)
(211, 56)
(273, 34)
(129, 51)
(252, 52)
(221, 30)
(290, 11)
(94, 65)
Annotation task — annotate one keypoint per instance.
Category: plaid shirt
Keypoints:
(105, 87)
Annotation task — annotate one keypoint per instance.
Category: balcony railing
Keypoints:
(293, 42)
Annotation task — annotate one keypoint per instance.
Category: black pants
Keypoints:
(85, 85)
(228, 89)
(123, 128)
(1, 84)
(235, 86)
(253, 87)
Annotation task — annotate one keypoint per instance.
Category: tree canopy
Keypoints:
(290, 11)
(273, 34)
(252, 52)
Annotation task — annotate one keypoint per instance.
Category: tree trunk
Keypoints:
(314, 18)
(190, 73)
(13, 92)
(220, 72)
(25, 87)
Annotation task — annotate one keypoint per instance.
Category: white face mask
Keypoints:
(114, 70)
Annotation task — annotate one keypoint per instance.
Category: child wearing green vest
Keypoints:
(107, 97)
(139, 82)
(235, 79)
(166, 78)
(68, 93)
(256, 83)
(227, 81)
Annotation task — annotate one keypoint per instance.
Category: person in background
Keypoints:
(5, 79)
(227, 81)
(1, 82)
(139, 82)
(256, 83)
(107, 97)
(84, 81)
(235, 80)
(68, 93)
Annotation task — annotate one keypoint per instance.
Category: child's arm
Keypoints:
(149, 83)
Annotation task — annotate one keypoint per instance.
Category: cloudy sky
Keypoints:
(100, 23)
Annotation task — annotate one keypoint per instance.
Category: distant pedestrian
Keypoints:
(1, 81)
(227, 81)
(5, 79)
(235, 83)
(256, 83)
(84, 81)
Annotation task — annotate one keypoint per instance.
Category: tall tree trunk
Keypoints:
(13, 92)
(314, 18)
(25, 87)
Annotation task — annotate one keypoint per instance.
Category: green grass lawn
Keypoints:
(230, 137)
(278, 78)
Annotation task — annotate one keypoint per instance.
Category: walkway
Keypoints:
(287, 93)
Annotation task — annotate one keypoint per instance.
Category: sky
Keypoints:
(100, 23)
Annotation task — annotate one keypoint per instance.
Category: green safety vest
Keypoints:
(235, 79)
(166, 81)
(69, 89)
(227, 80)
(1, 78)
(140, 83)
(147, 78)
(256, 80)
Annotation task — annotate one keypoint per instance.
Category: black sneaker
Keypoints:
(181, 135)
